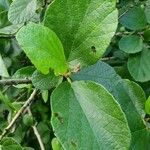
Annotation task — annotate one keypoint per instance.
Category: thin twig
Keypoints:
(15, 81)
(107, 58)
(18, 114)
(123, 14)
(36, 132)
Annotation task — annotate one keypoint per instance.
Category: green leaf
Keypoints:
(44, 131)
(45, 82)
(21, 11)
(147, 35)
(6, 101)
(3, 69)
(134, 19)
(28, 120)
(5, 4)
(12, 29)
(138, 66)
(131, 44)
(56, 144)
(147, 13)
(86, 111)
(44, 53)
(25, 72)
(130, 96)
(9, 144)
(84, 27)
(27, 148)
(147, 106)
(3, 19)
(45, 95)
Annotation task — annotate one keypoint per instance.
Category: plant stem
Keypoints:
(18, 114)
(15, 81)
(107, 58)
(36, 132)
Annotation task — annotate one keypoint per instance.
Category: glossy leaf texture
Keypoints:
(85, 110)
(21, 11)
(139, 65)
(129, 95)
(43, 48)
(84, 27)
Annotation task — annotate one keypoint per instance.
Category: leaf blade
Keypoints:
(85, 24)
(44, 53)
(89, 109)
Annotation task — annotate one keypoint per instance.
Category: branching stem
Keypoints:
(18, 114)
(15, 81)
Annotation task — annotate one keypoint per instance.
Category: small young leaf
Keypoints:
(43, 48)
(21, 11)
(86, 110)
(45, 82)
(147, 106)
(45, 95)
(56, 144)
(25, 72)
(28, 120)
(131, 44)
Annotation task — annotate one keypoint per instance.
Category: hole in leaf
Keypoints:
(93, 48)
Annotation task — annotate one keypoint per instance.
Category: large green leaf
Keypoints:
(84, 27)
(43, 48)
(139, 66)
(21, 11)
(86, 111)
(129, 95)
